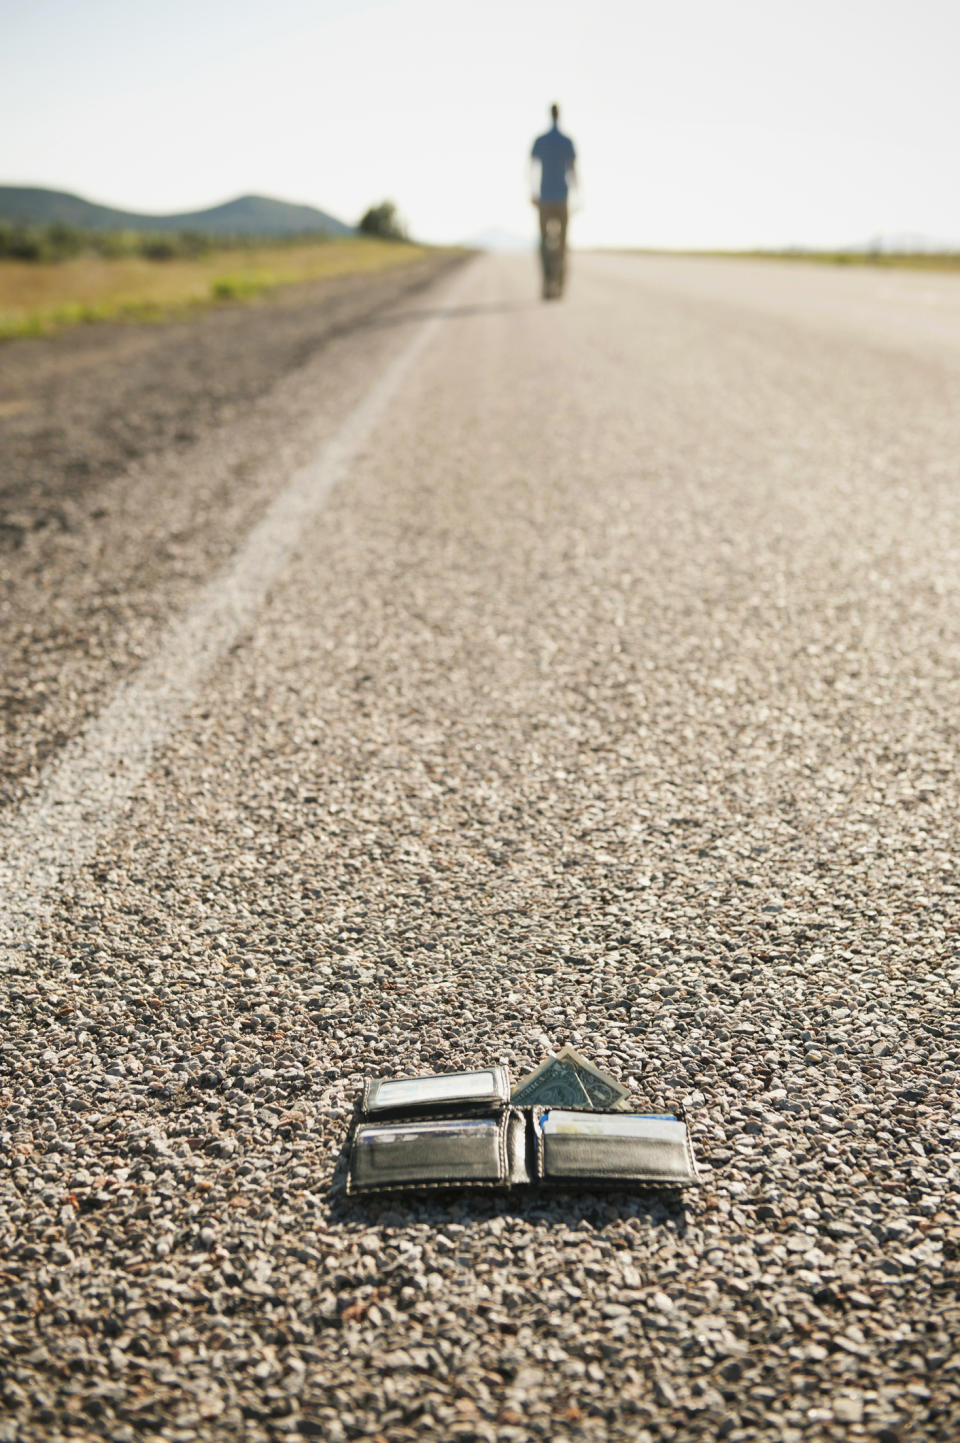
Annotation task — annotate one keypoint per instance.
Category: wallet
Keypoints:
(460, 1130)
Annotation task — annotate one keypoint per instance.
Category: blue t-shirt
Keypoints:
(556, 155)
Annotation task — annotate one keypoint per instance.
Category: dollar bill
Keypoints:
(604, 1091)
(552, 1084)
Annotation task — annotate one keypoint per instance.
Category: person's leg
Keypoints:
(544, 258)
(553, 221)
(544, 211)
(562, 217)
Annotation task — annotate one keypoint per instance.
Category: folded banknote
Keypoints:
(569, 1080)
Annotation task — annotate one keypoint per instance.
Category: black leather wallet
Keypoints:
(458, 1130)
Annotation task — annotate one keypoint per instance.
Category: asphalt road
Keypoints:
(489, 676)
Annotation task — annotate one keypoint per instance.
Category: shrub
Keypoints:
(62, 241)
(382, 220)
(113, 244)
(159, 247)
(239, 287)
(194, 243)
(21, 243)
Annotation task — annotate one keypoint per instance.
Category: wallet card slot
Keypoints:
(485, 1087)
(597, 1147)
(436, 1153)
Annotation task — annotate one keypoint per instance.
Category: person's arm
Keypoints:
(534, 182)
(573, 182)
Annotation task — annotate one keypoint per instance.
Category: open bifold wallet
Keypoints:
(460, 1130)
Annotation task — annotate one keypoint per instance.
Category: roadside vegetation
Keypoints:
(893, 260)
(59, 242)
(56, 276)
(382, 220)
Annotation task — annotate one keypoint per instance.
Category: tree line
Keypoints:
(57, 241)
(60, 242)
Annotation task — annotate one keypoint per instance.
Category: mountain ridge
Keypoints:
(244, 215)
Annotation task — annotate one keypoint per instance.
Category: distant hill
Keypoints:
(247, 215)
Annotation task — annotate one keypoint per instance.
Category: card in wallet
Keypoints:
(609, 1147)
(479, 1091)
(441, 1152)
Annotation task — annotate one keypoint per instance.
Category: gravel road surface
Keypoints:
(611, 696)
(134, 458)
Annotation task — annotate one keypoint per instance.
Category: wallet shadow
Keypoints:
(597, 1206)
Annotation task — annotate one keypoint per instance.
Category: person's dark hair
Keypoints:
(554, 113)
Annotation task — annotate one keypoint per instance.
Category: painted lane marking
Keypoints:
(86, 789)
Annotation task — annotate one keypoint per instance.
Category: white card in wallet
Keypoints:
(584, 1124)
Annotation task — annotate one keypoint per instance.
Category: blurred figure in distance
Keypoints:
(557, 158)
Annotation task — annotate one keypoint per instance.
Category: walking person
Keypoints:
(557, 158)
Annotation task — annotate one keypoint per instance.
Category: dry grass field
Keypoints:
(884, 260)
(37, 298)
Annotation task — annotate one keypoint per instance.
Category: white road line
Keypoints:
(96, 774)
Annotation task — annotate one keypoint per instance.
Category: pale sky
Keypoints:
(697, 122)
